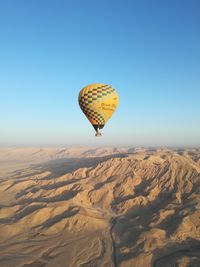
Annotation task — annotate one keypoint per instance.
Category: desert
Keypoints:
(99, 207)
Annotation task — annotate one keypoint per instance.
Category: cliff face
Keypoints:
(127, 209)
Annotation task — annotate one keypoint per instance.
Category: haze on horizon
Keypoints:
(148, 51)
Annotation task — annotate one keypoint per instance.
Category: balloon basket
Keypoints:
(98, 134)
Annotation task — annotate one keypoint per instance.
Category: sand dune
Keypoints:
(100, 207)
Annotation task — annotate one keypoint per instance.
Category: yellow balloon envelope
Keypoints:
(98, 102)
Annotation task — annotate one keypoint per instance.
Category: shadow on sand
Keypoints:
(59, 167)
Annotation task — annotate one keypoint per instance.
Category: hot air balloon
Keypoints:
(98, 102)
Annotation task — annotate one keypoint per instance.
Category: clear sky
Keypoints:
(149, 50)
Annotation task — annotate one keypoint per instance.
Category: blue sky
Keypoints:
(148, 50)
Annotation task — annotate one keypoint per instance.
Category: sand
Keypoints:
(99, 207)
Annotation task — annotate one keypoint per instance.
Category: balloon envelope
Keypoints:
(98, 102)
